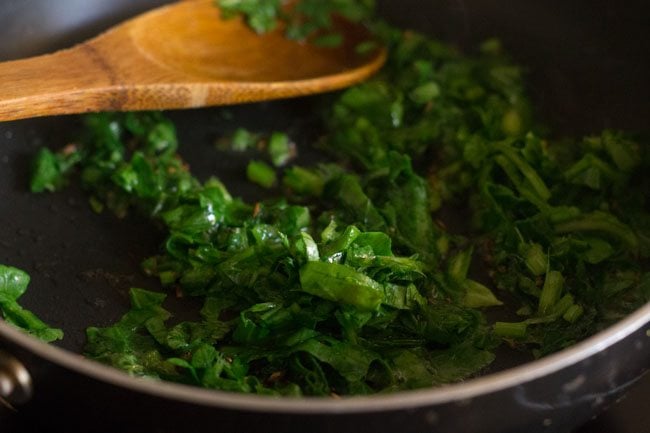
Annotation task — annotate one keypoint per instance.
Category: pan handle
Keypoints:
(15, 381)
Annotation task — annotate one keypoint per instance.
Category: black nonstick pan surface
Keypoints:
(588, 64)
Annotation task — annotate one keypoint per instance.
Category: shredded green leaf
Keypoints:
(349, 283)
(13, 283)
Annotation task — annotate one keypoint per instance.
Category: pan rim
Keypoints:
(459, 392)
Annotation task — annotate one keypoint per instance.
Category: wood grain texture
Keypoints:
(180, 56)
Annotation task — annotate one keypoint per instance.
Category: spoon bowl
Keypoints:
(184, 55)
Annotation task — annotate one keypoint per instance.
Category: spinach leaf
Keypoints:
(356, 279)
(13, 283)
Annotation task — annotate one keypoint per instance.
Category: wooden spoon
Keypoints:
(180, 56)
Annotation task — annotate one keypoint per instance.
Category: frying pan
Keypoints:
(587, 62)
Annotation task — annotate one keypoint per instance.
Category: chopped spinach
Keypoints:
(303, 20)
(349, 283)
(13, 283)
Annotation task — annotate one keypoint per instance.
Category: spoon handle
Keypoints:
(108, 73)
(69, 81)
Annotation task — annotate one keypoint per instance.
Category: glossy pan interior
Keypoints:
(588, 68)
